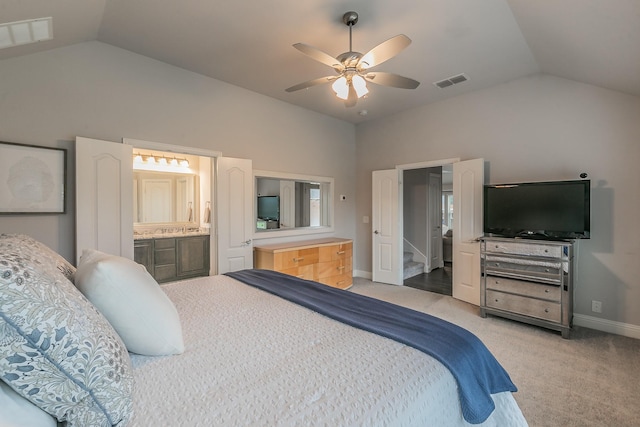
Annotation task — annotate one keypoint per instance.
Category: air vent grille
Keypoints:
(25, 32)
(451, 81)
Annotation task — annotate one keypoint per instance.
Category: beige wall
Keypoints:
(533, 129)
(99, 91)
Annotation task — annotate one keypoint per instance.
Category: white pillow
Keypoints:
(130, 298)
(19, 412)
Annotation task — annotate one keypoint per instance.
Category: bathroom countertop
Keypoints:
(144, 236)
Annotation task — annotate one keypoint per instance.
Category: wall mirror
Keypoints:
(290, 204)
(164, 198)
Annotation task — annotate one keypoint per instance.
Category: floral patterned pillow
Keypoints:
(46, 252)
(56, 349)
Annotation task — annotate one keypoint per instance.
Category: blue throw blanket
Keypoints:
(476, 371)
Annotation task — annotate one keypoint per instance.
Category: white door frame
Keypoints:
(398, 232)
(180, 149)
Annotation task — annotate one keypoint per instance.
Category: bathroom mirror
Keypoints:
(164, 198)
(289, 204)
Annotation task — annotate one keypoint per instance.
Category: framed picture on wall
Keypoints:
(32, 179)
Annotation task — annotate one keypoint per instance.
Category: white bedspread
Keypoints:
(254, 359)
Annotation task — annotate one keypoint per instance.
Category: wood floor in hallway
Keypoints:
(438, 280)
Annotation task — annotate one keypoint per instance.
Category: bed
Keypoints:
(241, 355)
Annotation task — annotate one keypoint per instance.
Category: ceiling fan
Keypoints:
(353, 67)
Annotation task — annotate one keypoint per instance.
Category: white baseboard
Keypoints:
(364, 274)
(604, 325)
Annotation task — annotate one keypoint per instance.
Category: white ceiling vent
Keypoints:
(451, 81)
(24, 32)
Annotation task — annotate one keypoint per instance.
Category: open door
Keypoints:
(386, 226)
(235, 214)
(468, 181)
(434, 219)
(104, 197)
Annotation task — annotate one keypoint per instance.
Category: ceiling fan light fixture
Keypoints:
(341, 88)
(360, 85)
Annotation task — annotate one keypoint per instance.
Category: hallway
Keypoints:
(438, 280)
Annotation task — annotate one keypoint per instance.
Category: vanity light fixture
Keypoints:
(153, 161)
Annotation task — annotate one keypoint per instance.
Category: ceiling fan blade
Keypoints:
(310, 83)
(352, 98)
(319, 56)
(384, 51)
(390, 79)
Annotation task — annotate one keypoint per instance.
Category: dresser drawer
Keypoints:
(540, 309)
(547, 271)
(335, 252)
(521, 287)
(524, 248)
(342, 281)
(306, 272)
(333, 268)
(295, 258)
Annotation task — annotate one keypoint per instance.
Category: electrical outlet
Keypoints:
(596, 306)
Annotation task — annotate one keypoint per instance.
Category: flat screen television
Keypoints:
(269, 208)
(554, 210)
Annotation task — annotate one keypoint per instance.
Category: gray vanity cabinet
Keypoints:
(169, 259)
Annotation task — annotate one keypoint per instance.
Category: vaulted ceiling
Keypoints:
(249, 43)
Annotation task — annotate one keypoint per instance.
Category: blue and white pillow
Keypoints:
(56, 349)
(46, 253)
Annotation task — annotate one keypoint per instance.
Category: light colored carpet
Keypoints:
(591, 379)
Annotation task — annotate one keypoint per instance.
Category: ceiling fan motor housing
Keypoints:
(350, 18)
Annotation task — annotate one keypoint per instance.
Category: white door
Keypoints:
(104, 197)
(287, 204)
(435, 221)
(235, 214)
(468, 180)
(386, 226)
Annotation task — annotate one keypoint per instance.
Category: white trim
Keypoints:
(604, 325)
(302, 231)
(172, 148)
(291, 176)
(364, 274)
(429, 164)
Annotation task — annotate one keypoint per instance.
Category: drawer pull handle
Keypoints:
(496, 299)
(546, 310)
(546, 291)
(341, 268)
(497, 264)
(340, 253)
(298, 259)
(546, 270)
